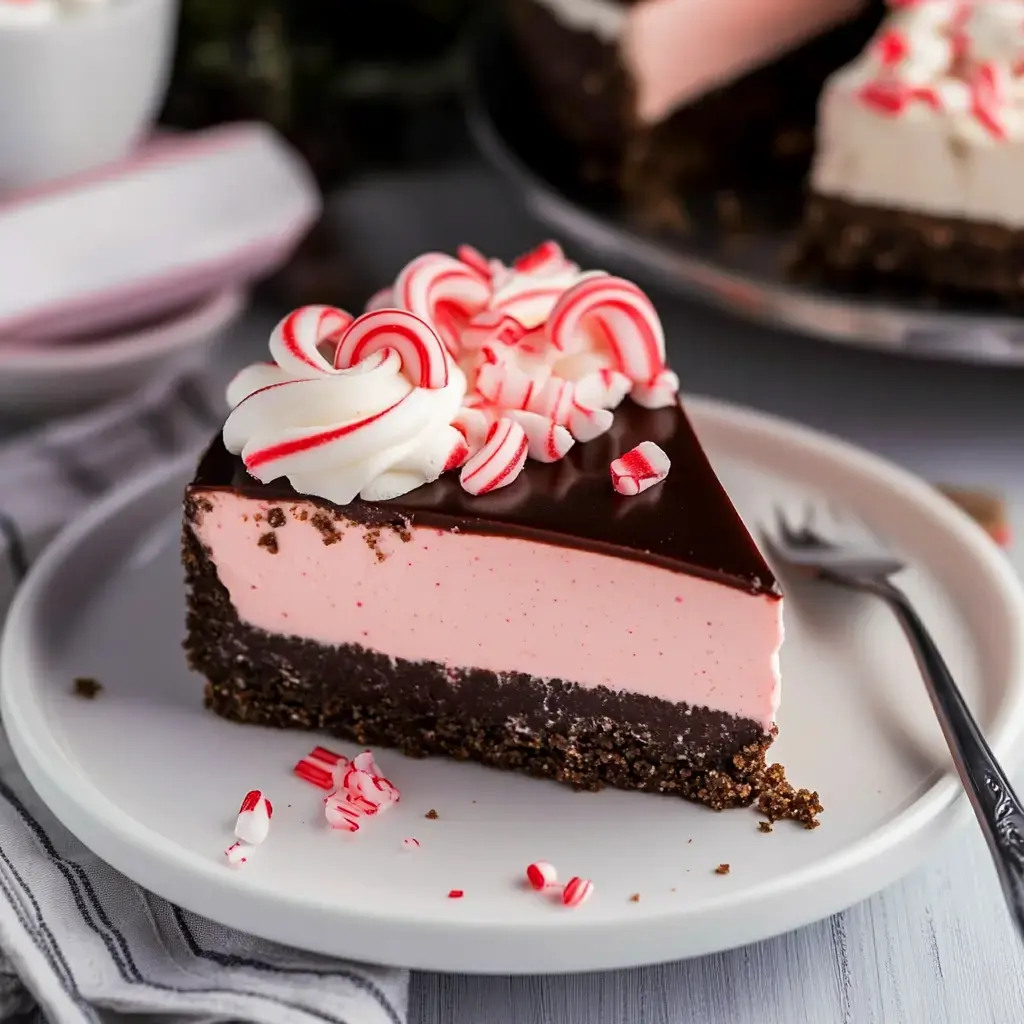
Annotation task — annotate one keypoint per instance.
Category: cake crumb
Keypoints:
(87, 688)
(764, 826)
(323, 522)
(275, 518)
(269, 541)
(432, 814)
(635, 898)
(723, 869)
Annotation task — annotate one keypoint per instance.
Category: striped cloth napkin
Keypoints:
(78, 941)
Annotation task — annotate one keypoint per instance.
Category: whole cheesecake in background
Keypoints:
(424, 528)
(670, 97)
(920, 156)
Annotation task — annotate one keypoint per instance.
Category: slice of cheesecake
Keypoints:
(549, 625)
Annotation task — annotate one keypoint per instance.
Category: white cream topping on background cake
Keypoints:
(604, 18)
(930, 118)
(677, 50)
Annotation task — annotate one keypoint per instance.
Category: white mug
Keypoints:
(82, 89)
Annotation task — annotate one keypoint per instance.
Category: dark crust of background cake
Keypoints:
(754, 133)
(847, 245)
(556, 730)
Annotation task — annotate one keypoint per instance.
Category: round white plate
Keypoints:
(151, 781)
(83, 372)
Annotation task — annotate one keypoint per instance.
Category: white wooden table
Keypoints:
(936, 949)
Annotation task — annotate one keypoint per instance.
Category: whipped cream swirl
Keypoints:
(373, 421)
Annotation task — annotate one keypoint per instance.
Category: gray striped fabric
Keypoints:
(78, 941)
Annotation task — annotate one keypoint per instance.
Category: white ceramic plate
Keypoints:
(151, 781)
(185, 215)
(51, 379)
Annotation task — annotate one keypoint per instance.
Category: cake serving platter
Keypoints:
(744, 275)
(151, 781)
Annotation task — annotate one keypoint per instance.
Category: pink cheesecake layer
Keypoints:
(502, 604)
(677, 50)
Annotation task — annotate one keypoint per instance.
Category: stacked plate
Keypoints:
(115, 276)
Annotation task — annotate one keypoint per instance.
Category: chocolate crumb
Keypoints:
(635, 898)
(432, 814)
(275, 518)
(722, 869)
(268, 541)
(764, 826)
(87, 688)
(323, 522)
(689, 841)
(303, 515)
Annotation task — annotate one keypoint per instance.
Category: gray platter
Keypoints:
(743, 276)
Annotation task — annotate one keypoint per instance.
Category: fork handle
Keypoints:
(998, 809)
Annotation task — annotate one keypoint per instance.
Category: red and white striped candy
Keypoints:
(604, 389)
(475, 260)
(548, 256)
(499, 462)
(459, 453)
(988, 98)
(322, 767)
(253, 822)
(546, 440)
(661, 392)
(505, 385)
(586, 424)
(577, 891)
(237, 854)
(295, 342)
(366, 763)
(424, 359)
(434, 284)
(474, 425)
(340, 813)
(541, 874)
(490, 325)
(554, 399)
(624, 316)
(640, 468)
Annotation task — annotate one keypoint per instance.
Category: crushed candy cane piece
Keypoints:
(499, 462)
(253, 823)
(410, 844)
(455, 894)
(546, 440)
(640, 468)
(541, 874)
(577, 891)
(238, 854)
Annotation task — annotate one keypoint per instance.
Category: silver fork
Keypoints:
(859, 567)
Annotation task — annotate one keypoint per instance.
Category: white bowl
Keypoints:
(58, 379)
(83, 89)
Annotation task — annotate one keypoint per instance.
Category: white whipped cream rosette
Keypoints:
(374, 421)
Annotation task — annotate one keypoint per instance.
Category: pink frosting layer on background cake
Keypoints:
(677, 50)
(502, 604)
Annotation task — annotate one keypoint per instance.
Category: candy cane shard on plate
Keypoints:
(639, 469)
(541, 875)
(253, 823)
(442, 525)
(577, 891)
